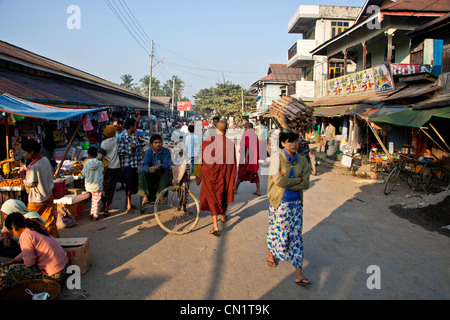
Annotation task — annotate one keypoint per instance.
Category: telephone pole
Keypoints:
(150, 90)
(173, 92)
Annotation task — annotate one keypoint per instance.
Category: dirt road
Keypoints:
(348, 227)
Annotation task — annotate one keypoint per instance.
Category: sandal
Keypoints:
(304, 282)
(215, 233)
(224, 218)
(130, 211)
(271, 264)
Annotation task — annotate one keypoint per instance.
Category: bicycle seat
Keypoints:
(426, 159)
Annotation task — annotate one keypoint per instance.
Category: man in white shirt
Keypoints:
(192, 146)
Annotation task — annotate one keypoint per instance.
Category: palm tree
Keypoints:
(156, 91)
(127, 81)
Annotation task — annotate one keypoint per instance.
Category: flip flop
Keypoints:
(215, 233)
(256, 194)
(224, 218)
(304, 282)
(271, 264)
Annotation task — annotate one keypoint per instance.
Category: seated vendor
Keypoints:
(9, 245)
(155, 174)
(42, 257)
(10, 163)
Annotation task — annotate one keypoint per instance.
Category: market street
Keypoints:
(348, 229)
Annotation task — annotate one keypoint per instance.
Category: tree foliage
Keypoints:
(164, 90)
(225, 99)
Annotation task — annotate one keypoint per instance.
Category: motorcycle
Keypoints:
(304, 151)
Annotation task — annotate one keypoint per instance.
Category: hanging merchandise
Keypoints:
(87, 124)
(102, 116)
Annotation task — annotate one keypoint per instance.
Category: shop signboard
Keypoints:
(184, 106)
(375, 79)
(407, 69)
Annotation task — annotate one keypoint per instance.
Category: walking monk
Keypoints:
(248, 159)
(218, 173)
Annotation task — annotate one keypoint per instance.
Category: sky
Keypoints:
(202, 42)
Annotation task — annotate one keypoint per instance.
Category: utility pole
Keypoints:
(150, 91)
(173, 92)
(242, 96)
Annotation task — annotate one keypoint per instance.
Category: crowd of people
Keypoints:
(29, 232)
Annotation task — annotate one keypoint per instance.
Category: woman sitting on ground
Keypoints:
(9, 246)
(42, 256)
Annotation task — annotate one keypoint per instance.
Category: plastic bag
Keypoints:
(65, 219)
(38, 296)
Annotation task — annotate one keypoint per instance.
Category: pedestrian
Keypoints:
(42, 257)
(218, 174)
(156, 169)
(288, 177)
(39, 183)
(120, 131)
(129, 150)
(93, 181)
(110, 159)
(192, 147)
(211, 130)
(262, 131)
(248, 159)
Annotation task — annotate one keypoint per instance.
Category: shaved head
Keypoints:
(221, 126)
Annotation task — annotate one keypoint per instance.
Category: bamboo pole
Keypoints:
(379, 140)
(448, 148)
(440, 147)
(68, 146)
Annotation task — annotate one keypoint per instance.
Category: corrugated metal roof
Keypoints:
(281, 73)
(63, 84)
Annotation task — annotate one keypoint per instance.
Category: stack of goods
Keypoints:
(11, 183)
(292, 114)
(75, 170)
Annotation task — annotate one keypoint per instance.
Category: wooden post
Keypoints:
(389, 49)
(379, 140)
(68, 146)
(440, 136)
(345, 62)
(364, 56)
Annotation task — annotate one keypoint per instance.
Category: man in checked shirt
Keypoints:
(129, 151)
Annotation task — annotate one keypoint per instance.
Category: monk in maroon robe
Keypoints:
(218, 173)
(248, 159)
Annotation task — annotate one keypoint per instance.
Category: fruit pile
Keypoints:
(11, 183)
(76, 170)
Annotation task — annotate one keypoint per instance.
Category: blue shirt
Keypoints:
(151, 157)
(290, 195)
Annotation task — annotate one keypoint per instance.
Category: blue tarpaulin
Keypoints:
(14, 105)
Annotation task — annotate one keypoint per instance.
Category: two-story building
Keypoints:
(392, 72)
(317, 24)
(274, 85)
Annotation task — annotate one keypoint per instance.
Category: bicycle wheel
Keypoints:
(177, 210)
(391, 180)
(436, 179)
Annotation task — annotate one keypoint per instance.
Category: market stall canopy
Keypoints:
(332, 111)
(14, 105)
(413, 118)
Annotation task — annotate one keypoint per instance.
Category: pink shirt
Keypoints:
(42, 251)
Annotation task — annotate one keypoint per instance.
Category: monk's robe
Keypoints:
(218, 174)
(248, 157)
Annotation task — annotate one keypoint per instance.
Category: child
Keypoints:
(93, 180)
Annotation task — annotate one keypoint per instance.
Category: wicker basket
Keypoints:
(17, 290)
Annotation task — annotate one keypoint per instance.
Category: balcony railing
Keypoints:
(299, 54)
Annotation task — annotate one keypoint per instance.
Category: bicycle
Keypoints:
(414, 173)
(176, 208)
(436, 178)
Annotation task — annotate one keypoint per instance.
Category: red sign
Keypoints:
(184, 106)
(405, 69)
